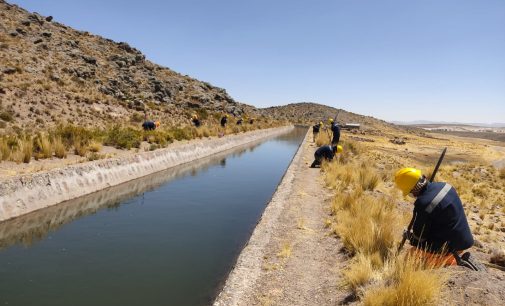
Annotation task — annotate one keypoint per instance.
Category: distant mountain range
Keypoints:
(421, 122)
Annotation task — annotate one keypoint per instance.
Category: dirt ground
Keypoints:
(301, 266)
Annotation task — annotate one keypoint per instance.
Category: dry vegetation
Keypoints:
(87, 142)
(369, 223)
(368, 214)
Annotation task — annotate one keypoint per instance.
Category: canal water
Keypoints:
(167, 239)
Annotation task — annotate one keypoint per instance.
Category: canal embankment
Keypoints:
(27, 193)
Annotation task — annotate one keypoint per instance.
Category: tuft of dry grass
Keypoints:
(26, 149)
(95, 147)
(368, 179)
(323, 138)
(358, 274)
(59, 148)
(80, 148)
(406, 281)
(285, 251)
(44, 146)
(5, 150)
(369, 225)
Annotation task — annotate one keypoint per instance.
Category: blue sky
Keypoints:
(395, 60)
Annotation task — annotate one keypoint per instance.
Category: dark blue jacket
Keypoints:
(324, 152)
(224, 120)
(440, 219)
(336, 132)
(148, 125)
(315, 128)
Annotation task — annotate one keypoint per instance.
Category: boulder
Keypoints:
(55, 77)
(498, 257)
(73, 43)
(47, 34)
(398, 141)
(9, 70)
(139, 105)
(89, 59)
(49, 18)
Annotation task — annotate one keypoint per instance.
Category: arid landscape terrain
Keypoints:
(69, 97)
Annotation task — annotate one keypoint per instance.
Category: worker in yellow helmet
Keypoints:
(440, 231)
(326, 152)
(195, 120)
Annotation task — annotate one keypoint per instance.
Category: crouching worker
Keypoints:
(148, 125)
(325, 152)
(195, 120)
(440, 231)
(224, 120)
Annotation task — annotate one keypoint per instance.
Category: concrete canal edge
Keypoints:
(247, 269)
(24, 194)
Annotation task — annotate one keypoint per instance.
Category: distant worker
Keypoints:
(326, 152)
(315, 130)
(157, 124)
(239, 121)
(195, 120)
(251, 121)
(224, 120)
(336, 132)
(440, 231)
(148, 125)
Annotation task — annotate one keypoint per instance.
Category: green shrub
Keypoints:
(181, 133)
(123, 138)
(72, 135)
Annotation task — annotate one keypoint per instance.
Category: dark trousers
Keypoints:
(316, 163)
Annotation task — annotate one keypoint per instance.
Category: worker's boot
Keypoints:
(472, 263)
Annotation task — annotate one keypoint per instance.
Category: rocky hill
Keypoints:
(52, 73)
(309, 113)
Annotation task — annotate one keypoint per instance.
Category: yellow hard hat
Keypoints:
(321, 123)
(330, 119)
(406, 179)
(340, 149)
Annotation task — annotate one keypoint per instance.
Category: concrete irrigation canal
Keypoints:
(170, 238)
